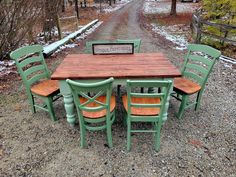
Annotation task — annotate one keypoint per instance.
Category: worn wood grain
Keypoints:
(141, 65)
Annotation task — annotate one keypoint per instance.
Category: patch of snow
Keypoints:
(79, 38)
(226, 64)
(89, 31)
(165, 31)
(2, 68)
(52, 47)
(164, 7)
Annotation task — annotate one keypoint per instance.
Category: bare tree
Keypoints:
(17, 19)
(51, 18)
(173, 8)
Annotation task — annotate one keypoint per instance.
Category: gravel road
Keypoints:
(202, 144)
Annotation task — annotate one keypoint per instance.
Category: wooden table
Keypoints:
(89, 68)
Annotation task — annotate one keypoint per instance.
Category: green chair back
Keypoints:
(136, 42)
(33, 69)
(91, 93)
(163, 92)
(89, 45)
(30, 64)
(199, 62)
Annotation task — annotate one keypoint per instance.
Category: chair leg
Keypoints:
(182, 106)
(157, 135)
(109, 135)
(51, 112)
(198, 101)
(31, 102)
(128, 134)
(83, 143)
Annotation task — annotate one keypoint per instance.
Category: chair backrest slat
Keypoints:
(205, 49)
(33, 69)
(197, 68)
(199, 62)
(201, 59)
(30, 60)
(36, 78)
(25, 51)
(146, 105)
(147, 95)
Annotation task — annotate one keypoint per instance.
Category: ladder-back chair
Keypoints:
(36, 78)
(198, 64)
(146, 107)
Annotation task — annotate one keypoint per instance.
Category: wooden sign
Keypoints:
(113, 48)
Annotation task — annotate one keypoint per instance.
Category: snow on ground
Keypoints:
(114, 7)
(173, 33)
(163, 7)
(79, 38)
(168, 33)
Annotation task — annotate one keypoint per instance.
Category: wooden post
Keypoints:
(77, 12)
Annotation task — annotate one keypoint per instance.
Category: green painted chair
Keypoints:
(198, 64)
(36, 78)
(146, 107)
(137, 43)
(89, 45)
(96, 110)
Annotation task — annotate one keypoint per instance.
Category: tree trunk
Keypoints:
(100, 6)
(77, 9)
(173, 8)
(63, 7)
(59, 27)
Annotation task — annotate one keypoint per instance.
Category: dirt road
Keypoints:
(125, 24)
(202, 144)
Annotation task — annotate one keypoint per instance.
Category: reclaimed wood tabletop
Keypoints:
(138, 65)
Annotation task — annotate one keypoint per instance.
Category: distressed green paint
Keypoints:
(164, 88)
(97, 89)
(27, 57)
(198, 64)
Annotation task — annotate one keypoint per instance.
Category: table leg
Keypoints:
(68, 102)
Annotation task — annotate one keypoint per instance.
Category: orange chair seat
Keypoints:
(142, 111)
(45, 88)
(101, 113)
(186, 86)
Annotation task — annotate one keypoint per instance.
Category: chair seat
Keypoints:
(186, 86)
(46, 88)
(142, 111)
(98, 114)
